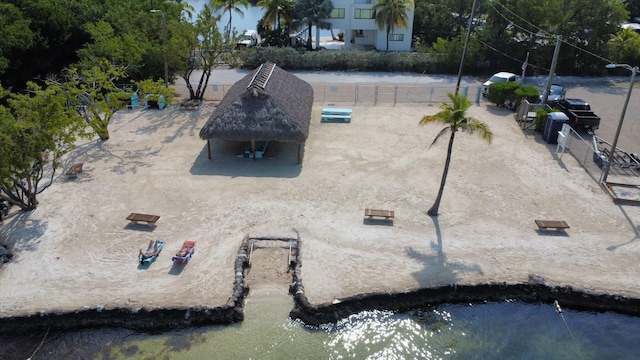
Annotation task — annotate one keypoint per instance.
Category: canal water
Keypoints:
(247, 21)
(507, 330)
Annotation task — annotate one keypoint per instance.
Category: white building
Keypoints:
(356, 19)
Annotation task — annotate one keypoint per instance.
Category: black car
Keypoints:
(556, 94)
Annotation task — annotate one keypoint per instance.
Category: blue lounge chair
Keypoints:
(152, 252)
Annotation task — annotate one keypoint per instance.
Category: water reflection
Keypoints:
(508, 330)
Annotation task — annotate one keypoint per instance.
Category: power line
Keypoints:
(511, 57)
(608, 61)
(521, 18)
(546, 34)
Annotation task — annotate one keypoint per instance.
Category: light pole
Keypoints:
(634, 71)
(164, 50)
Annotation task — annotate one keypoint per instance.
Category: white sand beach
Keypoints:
(78, 251)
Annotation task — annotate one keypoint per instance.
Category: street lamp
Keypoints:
(634, 71)
(164, 37)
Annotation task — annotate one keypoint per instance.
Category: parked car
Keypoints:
(249, 38)
(502, 76)
(556, 93)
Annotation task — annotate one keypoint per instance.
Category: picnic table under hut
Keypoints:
(269, 104)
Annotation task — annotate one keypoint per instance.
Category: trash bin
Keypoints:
(552, 125)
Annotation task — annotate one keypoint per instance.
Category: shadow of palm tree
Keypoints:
(437, 270)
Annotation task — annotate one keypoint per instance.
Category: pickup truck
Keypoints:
(579, 113)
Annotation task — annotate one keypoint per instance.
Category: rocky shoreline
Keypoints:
(159, 320)
(164, 319)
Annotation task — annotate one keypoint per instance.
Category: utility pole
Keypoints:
(552, 71)
(614, 145)
(164, 37)
(466, 45)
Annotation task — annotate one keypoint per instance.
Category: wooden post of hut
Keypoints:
(253, 149)
(209, 149)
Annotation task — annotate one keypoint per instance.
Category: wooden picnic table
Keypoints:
(149, 219)
(386, 214)
(552, 224)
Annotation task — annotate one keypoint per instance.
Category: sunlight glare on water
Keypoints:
(383, 335)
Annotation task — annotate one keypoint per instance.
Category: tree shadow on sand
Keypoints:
(437, 270)
(19, 232)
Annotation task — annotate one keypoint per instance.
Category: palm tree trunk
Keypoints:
(436, 205)
(388, 33)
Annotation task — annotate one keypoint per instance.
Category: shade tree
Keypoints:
(36, 129)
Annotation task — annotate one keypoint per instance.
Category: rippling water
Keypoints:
(508, 330)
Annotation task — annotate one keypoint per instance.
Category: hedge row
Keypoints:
(344, 60)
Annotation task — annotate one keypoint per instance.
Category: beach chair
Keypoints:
(186, 252)
(147, 257)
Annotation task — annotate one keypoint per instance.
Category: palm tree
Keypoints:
(275, 12)
(454, 117)
(313, 12)
(391, 14)
(230, 6)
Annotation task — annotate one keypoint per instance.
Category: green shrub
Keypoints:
(530, 93)
(499, 93)
(541, 118)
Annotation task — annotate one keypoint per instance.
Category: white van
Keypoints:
(248, 39)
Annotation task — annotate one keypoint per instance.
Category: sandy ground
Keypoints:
(77, 250)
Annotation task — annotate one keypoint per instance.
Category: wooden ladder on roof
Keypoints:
(262, 76)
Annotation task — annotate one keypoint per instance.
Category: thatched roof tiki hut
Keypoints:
(269, 104)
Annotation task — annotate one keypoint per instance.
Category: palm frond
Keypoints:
(442, 132)
(454, 116)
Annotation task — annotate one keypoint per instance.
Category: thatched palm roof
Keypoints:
(268, 104)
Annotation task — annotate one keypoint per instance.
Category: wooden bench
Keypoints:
(149, 219)
(552, 224)
(74, 170)
(190, 104)
(386, 214)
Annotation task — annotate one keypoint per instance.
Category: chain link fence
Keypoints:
(582, 151)
(372, 94)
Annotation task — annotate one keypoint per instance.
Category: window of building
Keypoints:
(396, 37)
(337, 14)
(364, 14)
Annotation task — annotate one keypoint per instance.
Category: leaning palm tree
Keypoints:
(455, 118)
(391, 14)
(230, 6)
